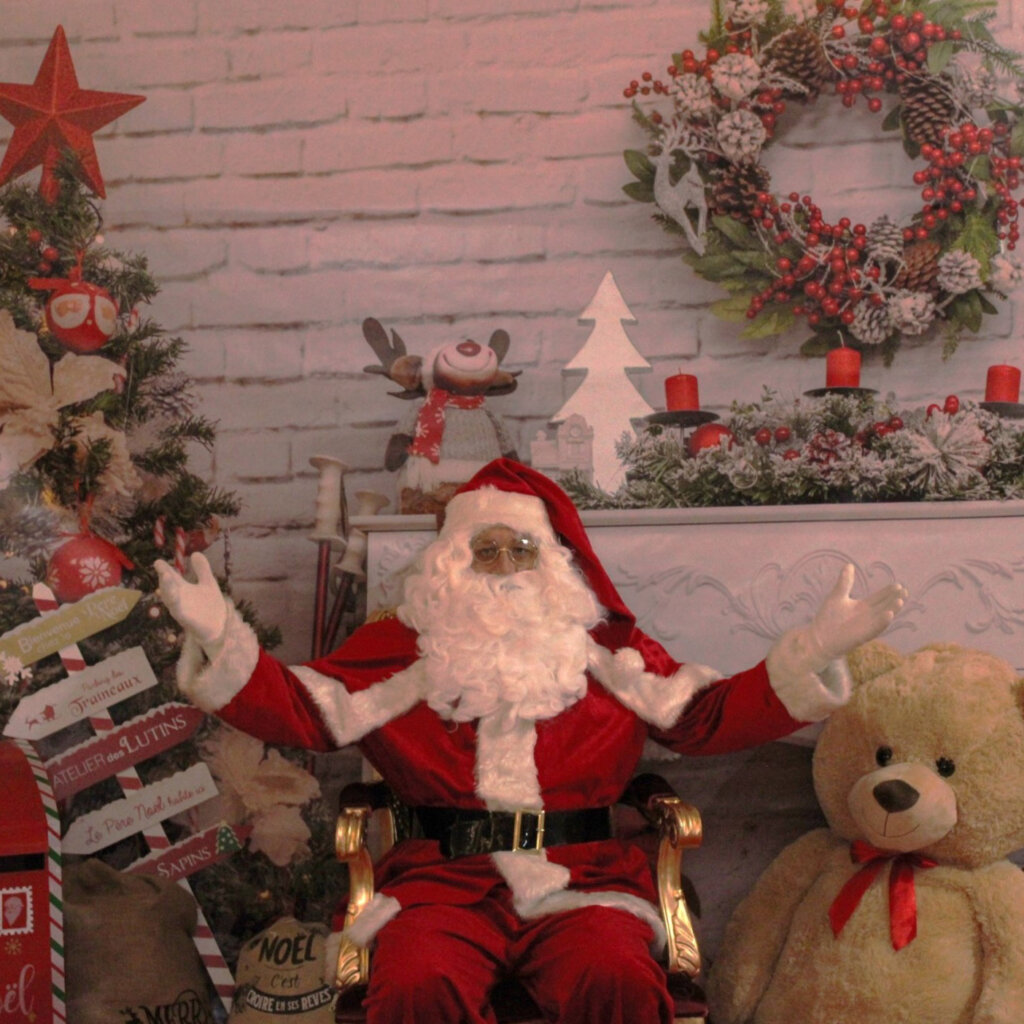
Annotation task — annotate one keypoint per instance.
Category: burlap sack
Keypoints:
(280, 977)
(129, 954)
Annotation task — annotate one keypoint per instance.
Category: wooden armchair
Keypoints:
(652, 815)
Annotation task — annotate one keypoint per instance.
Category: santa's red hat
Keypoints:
(505, 491)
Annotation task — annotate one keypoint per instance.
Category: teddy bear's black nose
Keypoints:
(468, 348)
(895, 795)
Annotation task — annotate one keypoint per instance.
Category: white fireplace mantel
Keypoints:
(718, 585)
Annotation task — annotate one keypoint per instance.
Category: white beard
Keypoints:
(512, 647)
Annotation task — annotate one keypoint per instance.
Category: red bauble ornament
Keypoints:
(951, 405)
(783, 434)
(708, 435)
(53, 114)
(83, 564)
(763, 437)
(81, 316)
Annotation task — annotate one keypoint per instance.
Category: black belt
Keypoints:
(465, 832)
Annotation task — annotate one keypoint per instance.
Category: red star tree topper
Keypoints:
(53, 114)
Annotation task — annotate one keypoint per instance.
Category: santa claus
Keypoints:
(507, 703)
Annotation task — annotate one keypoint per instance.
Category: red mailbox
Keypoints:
(31, 966)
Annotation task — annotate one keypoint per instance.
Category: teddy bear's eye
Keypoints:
(946, 766)
(883, 755)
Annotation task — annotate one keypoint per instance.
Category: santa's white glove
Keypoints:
(197, 607)
(805, 665)
(843, 623)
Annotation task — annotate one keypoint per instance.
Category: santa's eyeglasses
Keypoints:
(523, 552)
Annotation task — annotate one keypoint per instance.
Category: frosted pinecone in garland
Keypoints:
(735, 191)
(920, 266)
(871, 324)
(826, 447)
(948, 454)
(741, 135)
(959, 272)
(747, 12)
(800, 56)
(912, 312)
(693, 95)
(928, 108)
(884, 241)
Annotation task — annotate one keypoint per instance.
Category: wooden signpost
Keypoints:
(87, 694)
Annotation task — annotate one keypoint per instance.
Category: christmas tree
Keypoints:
(606, 398)
(97, 426)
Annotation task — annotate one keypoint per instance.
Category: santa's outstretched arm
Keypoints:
(804, 678)
(223, 670)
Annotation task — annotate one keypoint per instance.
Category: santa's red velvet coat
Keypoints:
(371, 692)
(583, 757)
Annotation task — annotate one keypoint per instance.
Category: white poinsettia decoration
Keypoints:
(261, 788)
(31, 397)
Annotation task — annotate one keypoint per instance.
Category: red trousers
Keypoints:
(438, 964)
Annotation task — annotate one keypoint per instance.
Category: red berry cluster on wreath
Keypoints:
(824, 271)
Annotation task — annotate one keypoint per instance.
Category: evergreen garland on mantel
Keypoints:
(837, 448)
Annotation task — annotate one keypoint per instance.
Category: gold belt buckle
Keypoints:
(517, 833)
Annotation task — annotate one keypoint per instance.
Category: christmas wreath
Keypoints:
(839, 448)
(935, 64)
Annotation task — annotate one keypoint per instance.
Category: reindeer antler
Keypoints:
(386, 349)
(395, 363)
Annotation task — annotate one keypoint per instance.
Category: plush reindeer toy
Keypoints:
(452, 433)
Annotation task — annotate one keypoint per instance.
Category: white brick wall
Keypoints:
(448, 166)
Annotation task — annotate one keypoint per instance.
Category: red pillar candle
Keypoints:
(681, 393)
(842, 368)
(1002, 384)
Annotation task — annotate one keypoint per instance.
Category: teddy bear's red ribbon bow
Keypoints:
(430, 421)
(902, 896)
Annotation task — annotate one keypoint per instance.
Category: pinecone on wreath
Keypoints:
(928, 108)
(800, 55)
(884, 241)
(871, 324)
(735, 192)
(920, 268)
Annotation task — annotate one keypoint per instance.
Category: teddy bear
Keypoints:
(905, 908)
(452, 434)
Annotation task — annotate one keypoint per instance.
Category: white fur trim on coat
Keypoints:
(658, 700)
(808, 693)
(506, 770)
(363, 930)
(232, 660)
(350, 716)
(530, 876)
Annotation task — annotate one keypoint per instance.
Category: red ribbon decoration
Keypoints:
(430, 421)
(902, 895)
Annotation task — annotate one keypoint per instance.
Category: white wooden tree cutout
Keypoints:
(606, 398)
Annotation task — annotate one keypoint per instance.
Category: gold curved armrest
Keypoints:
(679, 827)
(350, 848)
